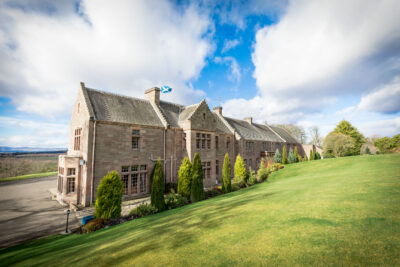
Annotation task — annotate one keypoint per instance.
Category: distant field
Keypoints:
(24, 164)
(333, 212)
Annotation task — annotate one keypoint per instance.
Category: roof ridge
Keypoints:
(171, 103)
(115, 94)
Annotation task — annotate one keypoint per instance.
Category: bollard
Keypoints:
(66, 226)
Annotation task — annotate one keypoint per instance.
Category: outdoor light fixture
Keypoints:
(66, 226)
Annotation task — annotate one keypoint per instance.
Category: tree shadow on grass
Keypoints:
(167, 230)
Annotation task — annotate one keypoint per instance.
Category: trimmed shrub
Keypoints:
(185, 178)
(278, 156)
(171, 187)
(240, 169)
(305, 158)
(296, 155)
(252, 179)
(94, 225)
(109, 196)
(284, 155)
(226, 175)
(157, 187)
(197, 187)
(292, 158)
(262, 172)
(367, 151)
(317, 155)
(173, 201)
(143, 210)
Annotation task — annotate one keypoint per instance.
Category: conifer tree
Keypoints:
(197, 187)
(185, 178)
(240, 169)
(346, 128)
(291, 158)
(284, 155)
(296, 154)
(226, 175)
(311, 155)
(157, 187)
(277, 156)
(262, 172)
(109, 196)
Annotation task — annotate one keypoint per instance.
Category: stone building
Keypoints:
(126, 134)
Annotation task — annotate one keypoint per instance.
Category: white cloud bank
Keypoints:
(321, 50)
(122, 46)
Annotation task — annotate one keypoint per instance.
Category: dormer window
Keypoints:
(135, 139)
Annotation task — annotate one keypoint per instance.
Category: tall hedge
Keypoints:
(277, 156)
(185, 178)
(197, 187)
(226, 175)
(296, 154)
(240, 169)
(311, 157)
(109, 196)
(157, 187)
(284, 155)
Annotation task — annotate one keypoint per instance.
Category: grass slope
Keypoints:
(331, 212)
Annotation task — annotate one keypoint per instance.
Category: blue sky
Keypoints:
(310, 63)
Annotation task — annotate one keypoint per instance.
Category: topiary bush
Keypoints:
(311, 157)
(185, 178)
(284, 155)
(296, 155)
(197, 187)
(262, 173)
(109, 196)
(240, 169)
(94, 225)
(157, 187)
(292, 158)
(226, 175)
(278, 156)
(252, 179)
(173, 201)
(143, 210)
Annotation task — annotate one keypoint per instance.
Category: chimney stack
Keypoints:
(218, 110)
(249, 120)
(153, 95)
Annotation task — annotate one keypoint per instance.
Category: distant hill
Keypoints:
(7, 149)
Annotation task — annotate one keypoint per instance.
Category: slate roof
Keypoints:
(220, 125)
(284, 134)
(123, 109)
(188, 111)
(253, 131)
(171, 112)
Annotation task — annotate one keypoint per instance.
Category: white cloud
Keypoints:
(127, 47)
(320, 52)
(21, 132)
(386, 99)
(234, 68)
(229, 44)
(388, 127)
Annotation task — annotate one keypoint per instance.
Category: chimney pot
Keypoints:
(249, 120)
(153, 95)
(218, 110)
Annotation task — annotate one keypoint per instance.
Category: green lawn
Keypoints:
(331, 212)
(28, 176)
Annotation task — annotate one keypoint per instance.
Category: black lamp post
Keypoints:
(66, 226)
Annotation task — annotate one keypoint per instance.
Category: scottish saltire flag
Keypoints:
(165, 89)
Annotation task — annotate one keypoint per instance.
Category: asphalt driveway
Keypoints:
(27, 211)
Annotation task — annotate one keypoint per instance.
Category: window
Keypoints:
(71, 171)
(257, 162)
(216, 142)
(206, 170)
(70, 185)
(250, 163)
(125, 169)
(217, 167)
(249, 146)
(245, 162)
(228, 142)
(203, 141)
(265, 146)
(77, 139)
(135, 139)
(184, 141)
(61, 170)
(143, 182)
(134, 182)
(198, 140)
(125, 180)
(60, 184)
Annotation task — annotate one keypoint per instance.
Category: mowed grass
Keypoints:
(334, 212)
(28, 176)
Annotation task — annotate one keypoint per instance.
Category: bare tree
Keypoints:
(297, 131)
(315, 136)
